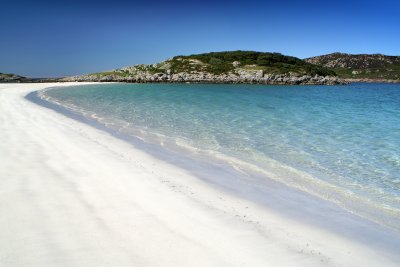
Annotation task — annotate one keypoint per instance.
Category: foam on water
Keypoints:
(340, 143)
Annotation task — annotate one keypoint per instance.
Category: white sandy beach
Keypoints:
(73, 195)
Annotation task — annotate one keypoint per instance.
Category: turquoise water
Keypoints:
(340, 143)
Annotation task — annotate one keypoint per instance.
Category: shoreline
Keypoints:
(346, 81)
(365, 80)
(231, 168)
(220, 222)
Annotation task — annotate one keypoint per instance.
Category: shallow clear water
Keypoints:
(341, 143)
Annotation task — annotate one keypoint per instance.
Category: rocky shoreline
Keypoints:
(190, 69)
(319, 80)
(245, 77)
(366, 80)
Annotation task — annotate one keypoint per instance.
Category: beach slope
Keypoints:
(72, 195)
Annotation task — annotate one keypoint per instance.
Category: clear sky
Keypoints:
(58, 38)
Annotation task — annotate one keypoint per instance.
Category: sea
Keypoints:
(338, 143)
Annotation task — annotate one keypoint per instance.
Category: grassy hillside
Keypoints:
(223, 62)
(218, 63)
(362, 66)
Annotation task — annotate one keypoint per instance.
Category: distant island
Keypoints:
(249, 67)
(14, 78)
(9, 77)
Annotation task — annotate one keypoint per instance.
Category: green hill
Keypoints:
(222, 67)
(361, 66)
(223, 62)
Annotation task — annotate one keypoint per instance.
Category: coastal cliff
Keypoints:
(221, 67)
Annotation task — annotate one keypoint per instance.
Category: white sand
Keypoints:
(72, 195)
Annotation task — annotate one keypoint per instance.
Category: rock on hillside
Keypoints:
(364, 67)
(221, 67)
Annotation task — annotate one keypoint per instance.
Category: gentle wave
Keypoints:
(320, 177)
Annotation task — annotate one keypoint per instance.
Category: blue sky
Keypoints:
(58, 38)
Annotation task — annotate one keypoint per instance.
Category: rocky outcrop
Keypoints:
(351, 61)
(361, 67)
(254, 78)
(369, 80)
(183, 70)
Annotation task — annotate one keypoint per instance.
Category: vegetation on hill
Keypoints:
(223, 62)
(221, 67)
(362, 66)
(249, 67)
